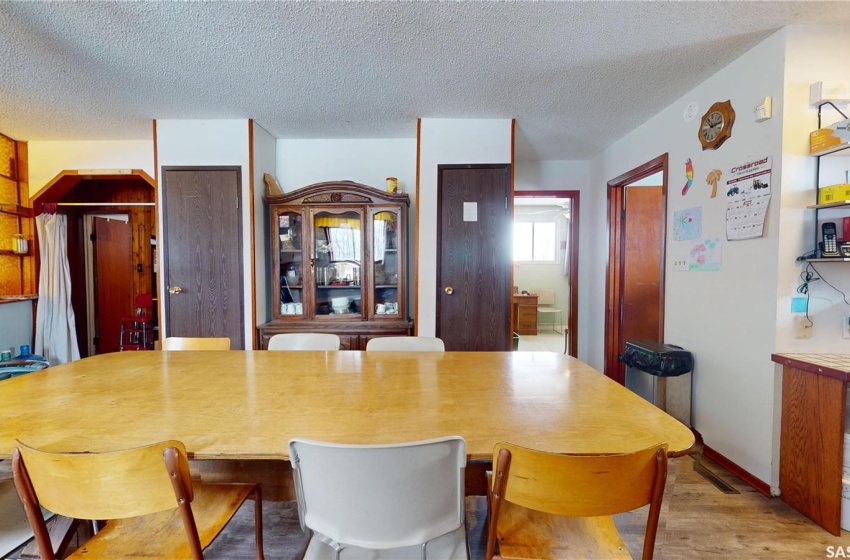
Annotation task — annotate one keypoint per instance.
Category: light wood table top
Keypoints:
(247, 405)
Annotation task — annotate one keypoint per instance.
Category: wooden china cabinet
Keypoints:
(338, 263)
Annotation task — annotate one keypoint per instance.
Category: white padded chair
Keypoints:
(545, 301)
(303, 341)
(406, 344)
(397, 501)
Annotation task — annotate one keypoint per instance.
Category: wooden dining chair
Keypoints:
(406, 344)
(303, 341)
(152, 507)
(172, 343)
(390, 501)
(546, 505)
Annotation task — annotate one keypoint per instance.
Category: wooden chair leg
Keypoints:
(258, 520)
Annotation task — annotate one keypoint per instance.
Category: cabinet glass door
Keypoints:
(338, 254)
(290, 239)
(385, 253)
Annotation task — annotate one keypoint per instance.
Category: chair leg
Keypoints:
(258, 520)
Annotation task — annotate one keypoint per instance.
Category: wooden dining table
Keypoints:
(246, 405)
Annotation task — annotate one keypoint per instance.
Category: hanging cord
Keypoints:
(803, 288)
(809, 275)
(820, 277)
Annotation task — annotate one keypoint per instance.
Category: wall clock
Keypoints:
(716, 125)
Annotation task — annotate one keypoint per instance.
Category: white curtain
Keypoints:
(55, 331)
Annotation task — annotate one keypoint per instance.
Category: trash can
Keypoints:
(660, 373)
(515, 341)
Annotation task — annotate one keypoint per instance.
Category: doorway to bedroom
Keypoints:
(545, 264)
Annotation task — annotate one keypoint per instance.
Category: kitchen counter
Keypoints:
(830, 365)
(811, 445)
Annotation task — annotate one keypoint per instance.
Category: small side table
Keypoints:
(525, 314)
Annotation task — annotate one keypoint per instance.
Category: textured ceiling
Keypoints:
(577, 76)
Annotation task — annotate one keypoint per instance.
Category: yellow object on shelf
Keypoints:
(833, 193)
(392, 185)
(833, 136)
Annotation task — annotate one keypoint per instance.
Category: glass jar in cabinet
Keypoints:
(289, 241)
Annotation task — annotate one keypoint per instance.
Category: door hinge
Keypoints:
(237, 202)
(506, 203)
(91, 237)
(96, 341)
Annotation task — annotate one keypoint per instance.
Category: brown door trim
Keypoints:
(614, 274)
(572, 319)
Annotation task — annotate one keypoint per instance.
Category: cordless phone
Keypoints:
(830, 240)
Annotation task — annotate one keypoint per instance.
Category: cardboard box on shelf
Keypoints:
(831, 136)
(834, 193)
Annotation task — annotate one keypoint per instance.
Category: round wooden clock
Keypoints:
(716, 125)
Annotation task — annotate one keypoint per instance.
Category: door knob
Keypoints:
(175, 290)
(449, 290)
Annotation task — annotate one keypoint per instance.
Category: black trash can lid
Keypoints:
(657, 358)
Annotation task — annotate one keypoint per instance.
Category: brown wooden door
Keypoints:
(641, 303)
(474, 257)
(203, 252)
(113, 289)
(634, 292)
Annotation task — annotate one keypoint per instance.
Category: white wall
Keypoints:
(449, 141)
(368, 161)
(16, 326)
(812, 54)
(726, 318)
(553, 175)
(49, 158)
(265, 161)
(209, 142)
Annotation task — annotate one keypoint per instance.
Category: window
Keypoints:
(535, 241)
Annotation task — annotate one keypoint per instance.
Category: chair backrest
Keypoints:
(189, 343)
(406, 344)
(110, 485)
(545, 297)
(380, 496)
(580, 485)
(143, 301)
(303, 341)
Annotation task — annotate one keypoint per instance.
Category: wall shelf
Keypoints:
(818, 234)
(18, 298)
(837, 204)
(830, 150)
(13, 253)
(16, 210)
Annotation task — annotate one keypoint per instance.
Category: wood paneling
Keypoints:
(812, 444)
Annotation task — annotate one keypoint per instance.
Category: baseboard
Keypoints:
(759, 485)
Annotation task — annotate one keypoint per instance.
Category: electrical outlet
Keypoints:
(803, 327)
(845, 327)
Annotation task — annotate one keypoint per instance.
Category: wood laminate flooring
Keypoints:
(697, 521)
